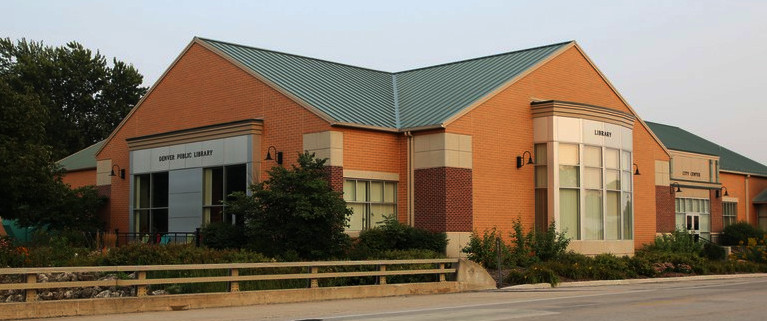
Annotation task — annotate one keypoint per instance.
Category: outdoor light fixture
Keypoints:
(677, 187)
(719, 192)
(520, 162)
(277, 155)
(636, 172)
(121, 171)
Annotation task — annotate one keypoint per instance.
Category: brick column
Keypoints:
(335, 176)
(717, 221)
(443, 199)
(665, 209)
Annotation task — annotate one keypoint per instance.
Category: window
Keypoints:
(761, 211)
(729, 212)
(541, 191)
(219, 182)
(600, 179)
(693, 214)
(371, 202)
(150, 203)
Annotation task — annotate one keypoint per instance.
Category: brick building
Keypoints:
(710, 185)
(538, 135)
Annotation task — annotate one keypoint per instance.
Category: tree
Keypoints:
(55, 101)
(84, 97)
(294, 213)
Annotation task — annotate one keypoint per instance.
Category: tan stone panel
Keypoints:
(661, 173)
(693, 193)
(623, 247)
(383, 176)
(456, 241)
(103, 169)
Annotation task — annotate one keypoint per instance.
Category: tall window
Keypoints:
(599, 178)
(219, 182)
(541, 190)
(729, 212)
(370, 201)
(569, 190)
(150, 203)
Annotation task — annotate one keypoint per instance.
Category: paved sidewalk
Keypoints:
(578, 284)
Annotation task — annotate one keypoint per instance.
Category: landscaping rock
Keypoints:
(159, 292)
(103, 294)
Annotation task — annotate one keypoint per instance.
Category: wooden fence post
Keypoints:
(234, 286)
(314, 283)
(31, 294)
(382, 278)
(442, 275)
(141, 289)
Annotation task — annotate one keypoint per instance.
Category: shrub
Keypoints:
(537, 246)
(294, 211)
(535, 274)
(739, 233)
(484, 249)
(674, 262)
(713, 252)
(221, 235)
(393, 235)
(754, 251)
(678, 241)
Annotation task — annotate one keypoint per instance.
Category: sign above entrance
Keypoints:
(215, 152)
(201, 153)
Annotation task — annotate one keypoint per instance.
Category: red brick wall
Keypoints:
(81, 178)
(335, 175)
(201, 89)
(717, 221)
(665, 208)
(443, 199)
(502, 128)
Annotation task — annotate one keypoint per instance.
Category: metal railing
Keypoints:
(122, 238)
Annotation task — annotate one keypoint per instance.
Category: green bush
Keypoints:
(739, 233)
(537, 246)
(713, 252)
(221, 235)
(294, 211)
(679, 241)
(393, 235)
(484, 249)
(534, 274)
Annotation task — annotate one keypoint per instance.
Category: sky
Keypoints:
(699, 65)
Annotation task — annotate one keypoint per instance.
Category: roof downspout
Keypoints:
(410, 183)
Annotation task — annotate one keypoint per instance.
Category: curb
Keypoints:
(579, 284)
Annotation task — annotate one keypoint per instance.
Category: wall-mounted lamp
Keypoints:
(120, 171)
(520, 159)
(277, 155)
(677, 187)
(636, 171)
(719, 192)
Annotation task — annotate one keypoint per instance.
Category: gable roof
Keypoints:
(421, 97)
(679, 139)
(83, 159)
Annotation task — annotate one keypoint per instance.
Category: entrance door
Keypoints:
(692, 221)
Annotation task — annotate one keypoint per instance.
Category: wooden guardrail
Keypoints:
(141, 282)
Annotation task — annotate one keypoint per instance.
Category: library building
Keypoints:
(538, 135)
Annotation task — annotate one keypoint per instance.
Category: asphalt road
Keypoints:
(719, 300)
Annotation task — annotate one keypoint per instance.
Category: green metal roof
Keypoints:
(84, 159)
(414, 98)
(761, 198)
(679, 139)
